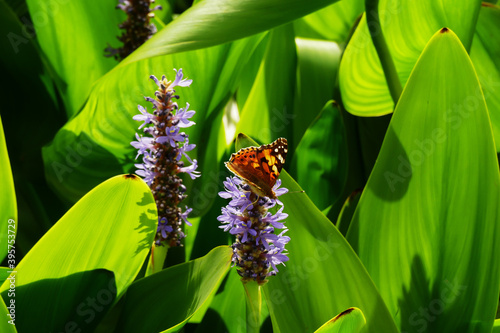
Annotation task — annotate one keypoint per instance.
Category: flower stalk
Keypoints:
(253, 306)
(377, 35)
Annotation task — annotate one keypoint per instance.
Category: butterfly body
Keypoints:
(260, 167)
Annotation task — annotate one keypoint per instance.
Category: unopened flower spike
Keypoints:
(259, 247)
(163, 147)
(138, 27)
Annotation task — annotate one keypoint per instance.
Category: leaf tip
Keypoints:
(444, 30)
(242, 136)
(343, 313)
(131, 176)
(488, 4)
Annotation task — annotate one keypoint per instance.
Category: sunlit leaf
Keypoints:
(173, 295)
(407, 26)
(332, 23)
(8, 204)
(73, 36)
(317, 66)
(213, 22)
(95, 250)
(322, 266)
(426, 225)
(485, 55)
(351, 320)
(267, 113)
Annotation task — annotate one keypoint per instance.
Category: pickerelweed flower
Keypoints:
(163, 147)
(258, 249)
(138, 27)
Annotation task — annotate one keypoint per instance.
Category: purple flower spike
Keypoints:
(258, 249)
(163, 148)
(138, 27)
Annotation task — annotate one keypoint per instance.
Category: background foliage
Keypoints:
(396, 148)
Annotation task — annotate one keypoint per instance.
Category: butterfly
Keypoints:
(260, 167)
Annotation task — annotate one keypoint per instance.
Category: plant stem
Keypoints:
(391, 75)
(254, 306)
(156, 259)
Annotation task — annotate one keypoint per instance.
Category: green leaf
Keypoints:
(351, 320)
(318, 63)
(485, 55)
(322, 266)
(104, 238)
(407, 26)
(496, 326)
(213, 22)
(227, 309)
(7, 325)
(320, 160)
(95, 144)
(4, 273)
(166, 300)
(72, 36)
(427, 223)
(332, 22)
(267, 113)
(8, 204)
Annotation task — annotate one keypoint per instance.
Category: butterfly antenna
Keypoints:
(297, 192)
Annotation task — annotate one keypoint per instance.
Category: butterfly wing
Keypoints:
(271, 158)
(260, 166)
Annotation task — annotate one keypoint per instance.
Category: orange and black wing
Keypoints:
(260, 166)
(271, 158)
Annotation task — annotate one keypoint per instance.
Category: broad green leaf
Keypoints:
(76, 302)
(496, 326)
(249, 73)
(104, 238)
(320, 161)
(166, 300)
(331, 23)
(72, 36)
(351, 320)
(427, 223)
(8, 203)
(213, 22)
(318, 63)
(407, 26)
(268, 111)
(485, 55)
(7, 324)
(95, 144)
(322, 266)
